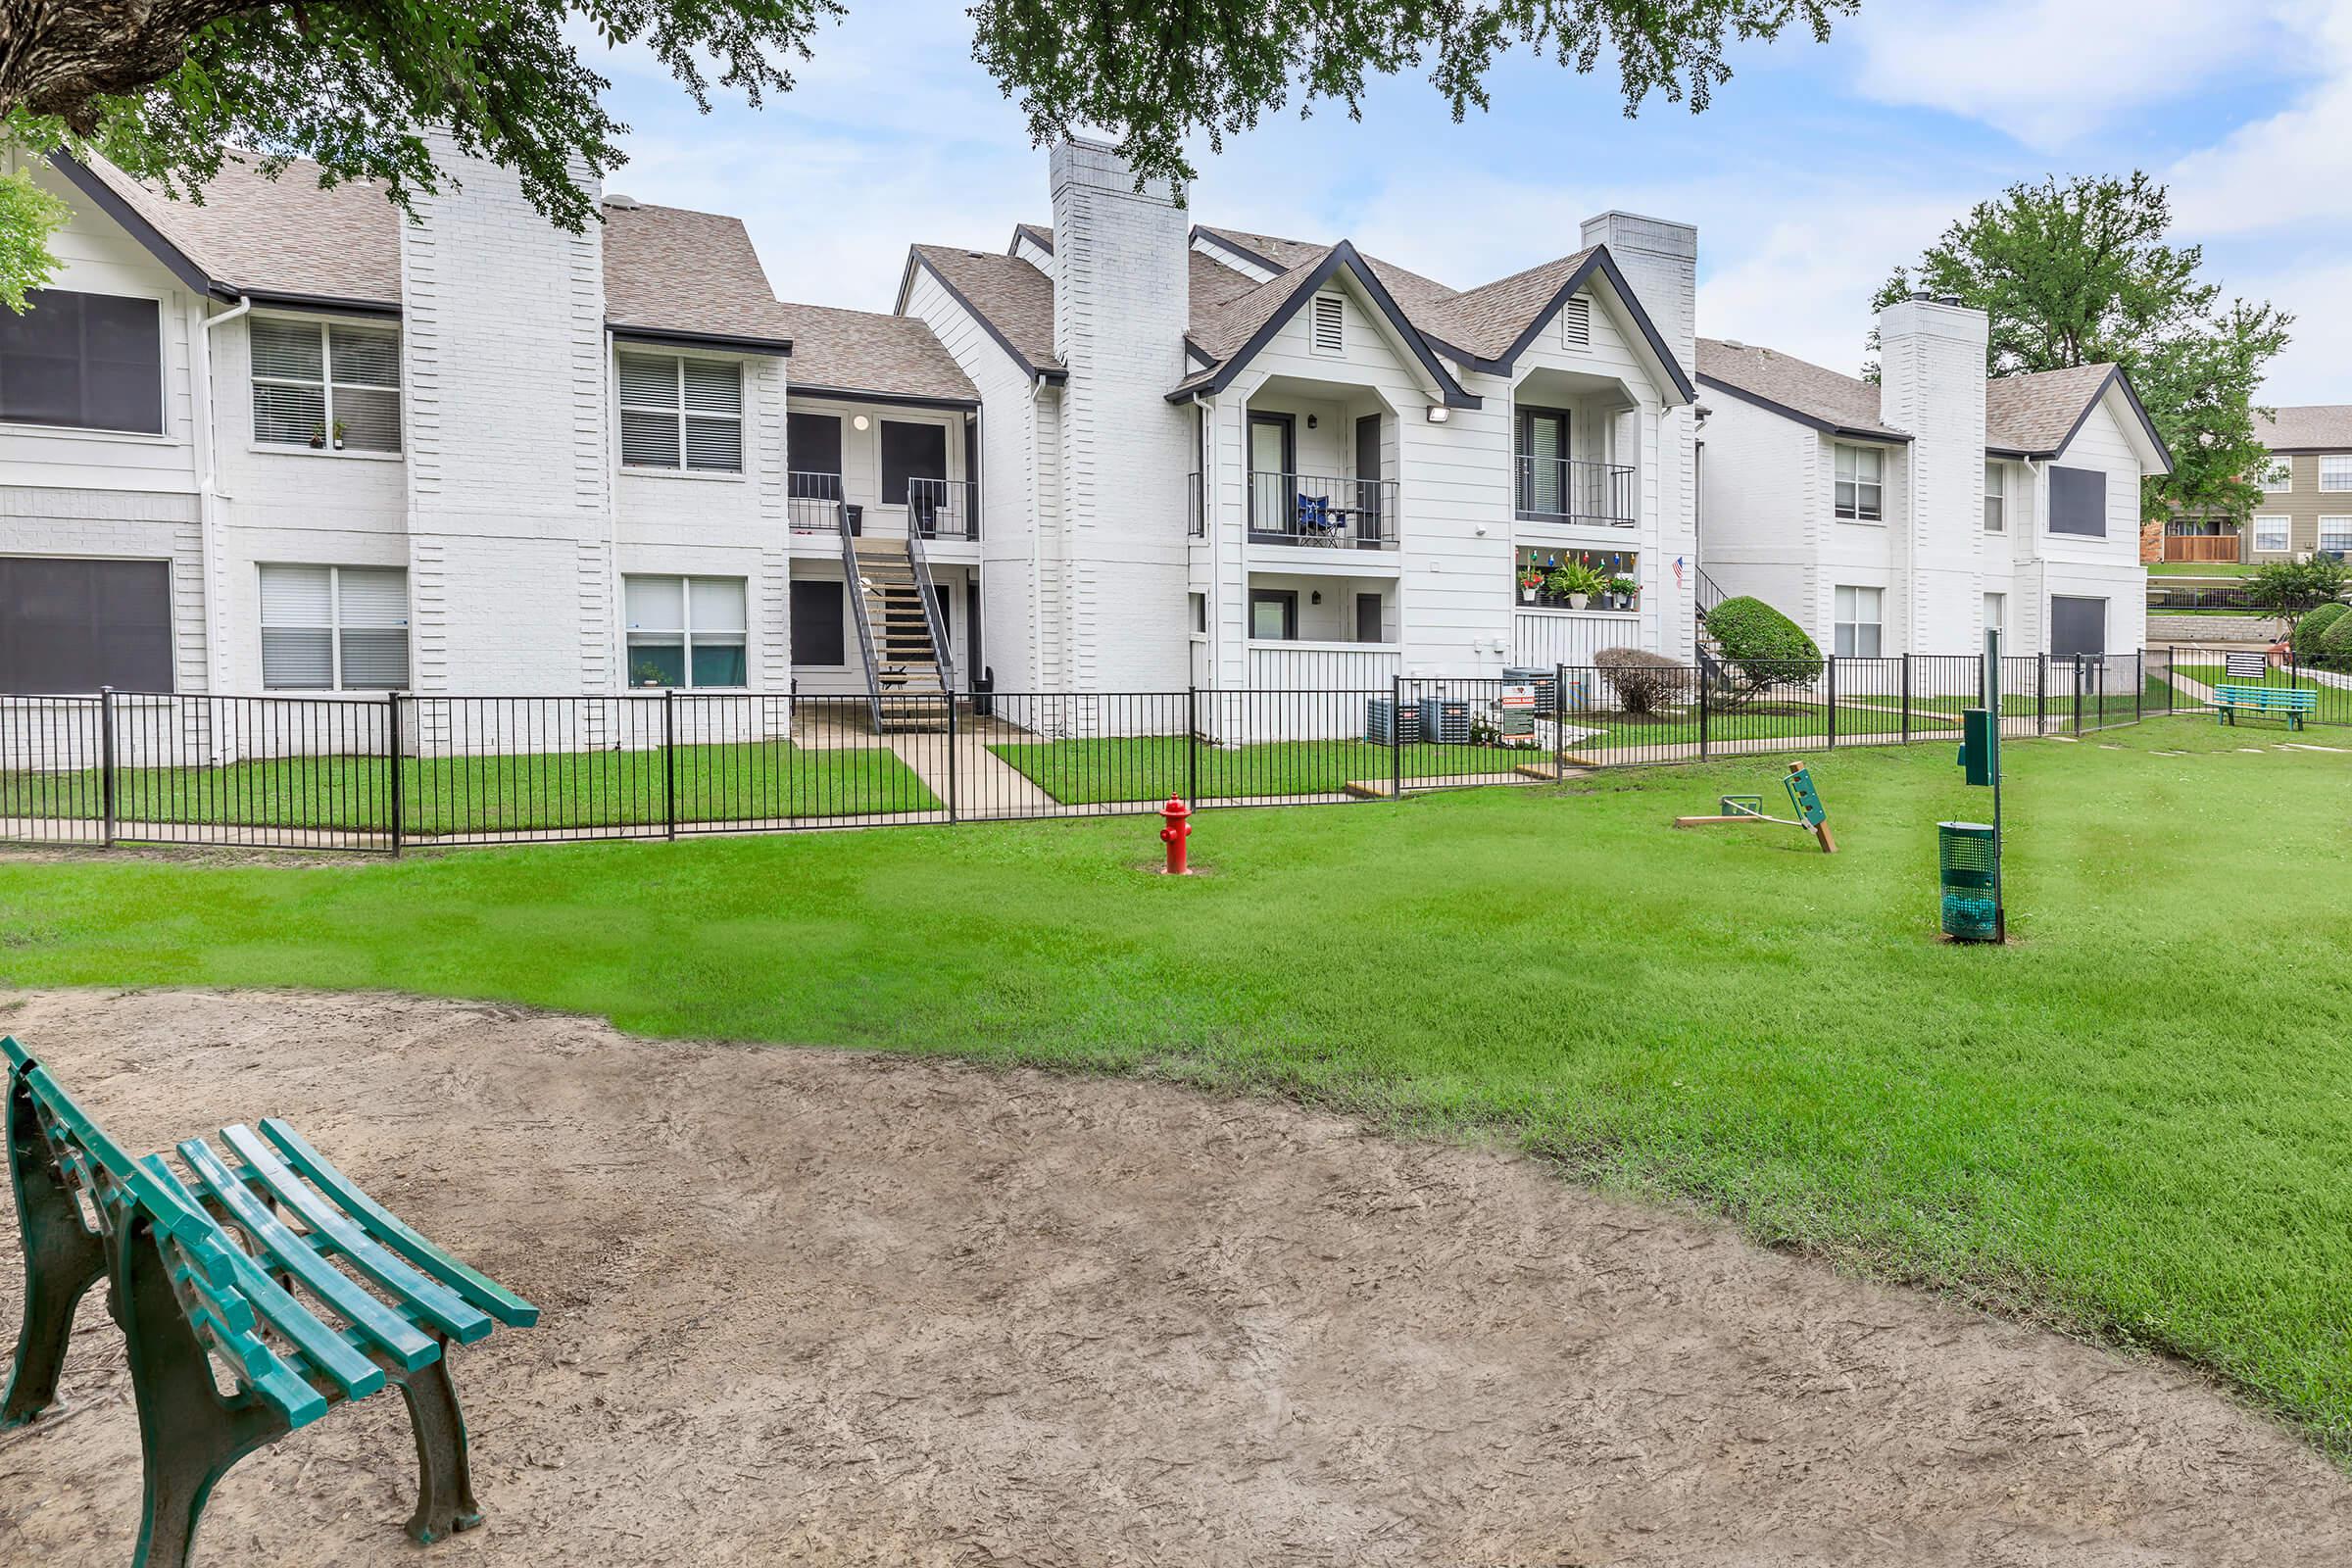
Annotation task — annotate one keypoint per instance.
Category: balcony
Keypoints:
(1322, 511)
(944, 509)
(933, 509)
(1572, 490)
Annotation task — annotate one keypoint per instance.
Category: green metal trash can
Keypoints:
(1964, 851)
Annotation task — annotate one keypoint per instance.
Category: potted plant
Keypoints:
(318, 439)
(1575, 582)
(1531, 583)
(645, 672)
(1624, 588)
(339, 428)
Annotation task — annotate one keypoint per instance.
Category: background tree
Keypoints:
(160, 87)
(2294, 589)
(2083, 273)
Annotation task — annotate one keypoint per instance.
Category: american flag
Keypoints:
(1678, 572)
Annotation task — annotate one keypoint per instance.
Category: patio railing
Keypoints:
(1315, 508)
(1573, 490)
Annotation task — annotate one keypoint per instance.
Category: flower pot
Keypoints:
(338, 446)
(1527, 596)
(317, 443)
(1578, 601)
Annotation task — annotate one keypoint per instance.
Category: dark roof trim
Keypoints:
(1342, 257)
(103, 197)
(1810, 422)
(915, 259)
(1231, 248)
(779, 346)
(1601, 262)
(899, 400)
(324, 304)
(1036, 237)
(2117, 378)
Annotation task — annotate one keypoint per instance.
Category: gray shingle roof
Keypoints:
(2036, 412)
(1813, 392)
(2313, 425)
(858, 351)
(1008, 293)
(673, 270)
(1280, 254)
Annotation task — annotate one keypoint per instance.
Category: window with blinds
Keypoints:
(686, 631)
(1860, 480)
(334, 628)
(330, 386)
(681, 414)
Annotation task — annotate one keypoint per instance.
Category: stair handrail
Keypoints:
(854, 581)
(1708, 595)
(932, 619)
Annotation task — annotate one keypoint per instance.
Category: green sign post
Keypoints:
(1969, 853)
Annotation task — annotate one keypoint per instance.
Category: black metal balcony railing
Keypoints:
(813, 502)
(943, 509)
(1573, 490)
(1312, 508)
(936, 509)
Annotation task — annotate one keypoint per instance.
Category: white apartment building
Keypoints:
(1909, 517)
(289, 441)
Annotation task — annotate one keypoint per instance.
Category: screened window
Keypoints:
(334, 628)
(818, 638)
(813, 441)
(77, 625)
(1861, 483)
(2335, 471)
(1858, 622)
(685, 631)
(2078, 502)
(1274, 615)
(1996, 497)
(2336, 535)
(2270, 533)
(93, 362)
(2278, 475)
(325, 385)
(912, 452)
(682, 415)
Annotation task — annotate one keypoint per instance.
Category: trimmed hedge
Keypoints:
(1762, 646)
(2310, 633)
(2335, 643)
(1644, 682)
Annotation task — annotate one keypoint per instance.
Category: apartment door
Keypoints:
(1370, 525)
(1368, 618)
(1272, 482)
(2078, 628)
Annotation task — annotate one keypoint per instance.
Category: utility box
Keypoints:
(1977, 743)
(1965, 854)
(1386, 725)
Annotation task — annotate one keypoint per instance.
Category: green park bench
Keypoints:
(202, 1273)
(2290, 703)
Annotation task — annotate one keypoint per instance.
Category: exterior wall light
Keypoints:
(1439, 413)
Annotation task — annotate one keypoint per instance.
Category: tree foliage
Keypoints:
(2292, 589)
(162, 87)
(2312, 629)
(2082, 272)
(1644, 682)
(1758, 647)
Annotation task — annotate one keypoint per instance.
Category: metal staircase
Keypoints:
(909, 677)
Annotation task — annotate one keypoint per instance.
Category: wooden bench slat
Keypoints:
(479, 1287)
(445, 1310)
(349, 1370)
(400, 1337)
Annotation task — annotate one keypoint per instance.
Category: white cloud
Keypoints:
(2291, 168)
(2312, 370)
(2048, 72)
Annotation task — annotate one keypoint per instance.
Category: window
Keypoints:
(1544, 488)
(2270, 533)
(2336, 535)
(2335, 471)
(2078, 502)
(1197, 604)
(2078, 628)
(813, 444)
(1996, 497)
(818, 638)
(682, 415)
(77, 625)
(685, 631)
(912, 452)
(1996, 614)
(1861, 477)
(1370, 618)
(322, 385)
(1858, 622)
(2278, 475)
(91, 362)
(1274, 615)
(334, 628)
(1327, 332)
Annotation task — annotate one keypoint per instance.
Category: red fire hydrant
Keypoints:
(1175, 833)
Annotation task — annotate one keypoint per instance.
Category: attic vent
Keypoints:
(628, 204)
(1324, 336)
(1576, 322)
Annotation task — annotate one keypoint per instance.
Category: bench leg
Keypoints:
(445, 1501)
(63, 1259)
(189, 1434)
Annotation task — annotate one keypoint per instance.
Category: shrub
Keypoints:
(1644, 682)
(2312, 631)
(1760, 647)
(2335, 644)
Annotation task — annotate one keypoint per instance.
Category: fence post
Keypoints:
(1701, 669)
(1559, 720)
(392, 762)
(2139, 682)
(952, 804)
(106, 763)
(2042, 694)
(1395, 737)
(669, 764)
(1906, 704)
(2171, 662)
(1192, 745)
(1833, 702)
(2078, 694)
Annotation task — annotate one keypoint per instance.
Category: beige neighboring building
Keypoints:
(2307, 494)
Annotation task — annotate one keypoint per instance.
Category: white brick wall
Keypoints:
(1931, 367)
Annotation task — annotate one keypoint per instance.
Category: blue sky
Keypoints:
(1815, 169)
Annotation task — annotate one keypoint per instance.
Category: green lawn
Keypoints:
(2199, 568)
(492, 794)
(2133, 1123)
(1152, 768)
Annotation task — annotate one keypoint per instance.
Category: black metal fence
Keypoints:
(388, 773)
(2187, 675)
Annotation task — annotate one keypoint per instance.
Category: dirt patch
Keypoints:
(820, 1308)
